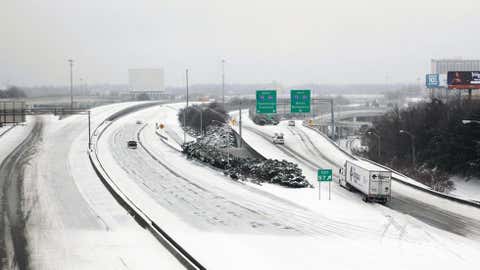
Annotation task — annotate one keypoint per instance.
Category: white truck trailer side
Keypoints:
(373, 183)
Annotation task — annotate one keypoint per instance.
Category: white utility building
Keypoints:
(147, 81)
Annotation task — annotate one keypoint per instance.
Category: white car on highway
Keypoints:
(277, 138)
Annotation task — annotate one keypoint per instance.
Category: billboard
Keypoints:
(463, 79)
(146, 80)
(432, 81)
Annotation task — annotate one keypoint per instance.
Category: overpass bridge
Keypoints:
(349, 122)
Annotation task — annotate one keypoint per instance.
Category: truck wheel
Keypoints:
(347, 186)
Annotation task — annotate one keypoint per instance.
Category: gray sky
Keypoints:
(301, 41)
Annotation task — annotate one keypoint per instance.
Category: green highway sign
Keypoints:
(266, 101)
(324, 175)
(300, 101)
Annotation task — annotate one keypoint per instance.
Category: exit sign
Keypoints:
(324, 175)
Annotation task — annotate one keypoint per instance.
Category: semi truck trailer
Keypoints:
(373, 182)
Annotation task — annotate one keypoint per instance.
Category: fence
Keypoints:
(12, 112)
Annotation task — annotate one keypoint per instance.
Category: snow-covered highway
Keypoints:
(68, 220)
(236, 225)
(312, 151)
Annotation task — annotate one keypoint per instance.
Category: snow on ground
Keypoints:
(466, 188)
(231, 225)
(75, 223)
(312, 151)
(5, 128)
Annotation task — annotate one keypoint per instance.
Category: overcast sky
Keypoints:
(296, 41)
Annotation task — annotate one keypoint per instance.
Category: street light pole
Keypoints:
(412, 138)
(333, 118)
(185, 112)
(378, 143)
(89, 132)
(71, 83)
(223, 82)
(240, 123)
(201, 119)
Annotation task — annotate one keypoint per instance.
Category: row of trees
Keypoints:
(201, 116)
(12, 92)
(444, 144)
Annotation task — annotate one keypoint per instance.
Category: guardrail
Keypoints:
(185, 258)
(330, 140)
(432, 192)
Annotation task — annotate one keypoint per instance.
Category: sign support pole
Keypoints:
(319, 191)
(89, 132)
(329, 190)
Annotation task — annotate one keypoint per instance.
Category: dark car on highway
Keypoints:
(132, 144)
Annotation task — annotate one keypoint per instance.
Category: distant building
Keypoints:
(148, 82)
(443, 66)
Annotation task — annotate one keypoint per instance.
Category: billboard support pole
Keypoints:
(469, 94)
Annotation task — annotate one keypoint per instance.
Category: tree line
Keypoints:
(445, 144)
(200, 116)
(12, 92)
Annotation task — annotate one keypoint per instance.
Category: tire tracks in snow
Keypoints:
(206, 208)
(13, 215)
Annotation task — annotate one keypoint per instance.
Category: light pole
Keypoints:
(378, 142)
(333, 118)
(71, 83)
(89, 132)
(412, 138)
(201, 119)
(223, 82)
(185, 112)
(240, 122)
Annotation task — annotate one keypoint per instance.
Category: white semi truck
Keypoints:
(373, 182)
